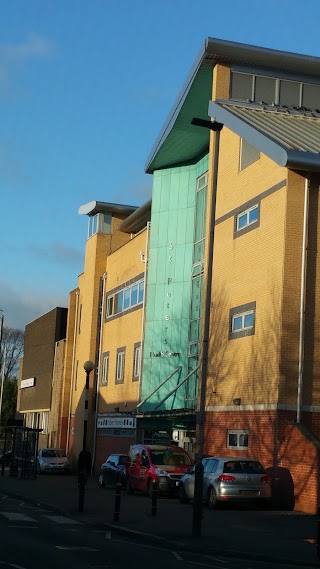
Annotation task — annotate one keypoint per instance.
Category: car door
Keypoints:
(209, 475)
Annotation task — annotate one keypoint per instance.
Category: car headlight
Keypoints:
(160, 472)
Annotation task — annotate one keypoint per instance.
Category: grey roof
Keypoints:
(137, 220)
(94, 207)
(178, 140)
(290, 137)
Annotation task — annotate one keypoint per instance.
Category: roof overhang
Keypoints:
(137, 220)
(279, 153)
(179, 141)
(94, 207)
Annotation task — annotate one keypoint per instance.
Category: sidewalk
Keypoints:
(273, 535)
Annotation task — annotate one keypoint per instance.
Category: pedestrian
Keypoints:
(84, 466)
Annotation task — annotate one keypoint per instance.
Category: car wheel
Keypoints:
(129, 488)
(212, 499)
(101, 481)
(182, 495)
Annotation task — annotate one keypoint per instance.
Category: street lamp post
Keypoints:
(88, 367)
(1, 328)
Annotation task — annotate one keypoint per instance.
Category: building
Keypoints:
(40, 382)
(105, 326)
(231, 337)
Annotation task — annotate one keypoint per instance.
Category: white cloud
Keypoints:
(20, 307)
(15, 54)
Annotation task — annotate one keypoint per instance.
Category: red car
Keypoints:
(149, 463)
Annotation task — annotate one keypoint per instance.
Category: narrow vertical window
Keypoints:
(120, 365)
(136, 362)
(105, 369)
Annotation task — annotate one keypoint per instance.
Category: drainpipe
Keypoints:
(104, 280)
(146, 256)
(303, 296)
(72, 368)
(217, 127)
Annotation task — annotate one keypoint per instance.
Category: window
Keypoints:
(121, 352)
(45, 422)
(126, 298)
(80, 317)
(105, 368)
(248, 217)
(136, 361)
(242, 321)
(100, 223)
(248, 154)
(237, 439)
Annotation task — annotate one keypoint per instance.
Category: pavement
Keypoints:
(272, 536)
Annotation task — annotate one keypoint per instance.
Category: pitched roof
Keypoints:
(290, 137)
(179, 141)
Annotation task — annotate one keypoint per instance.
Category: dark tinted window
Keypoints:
(289, 93)
(243, 467)
(122, 459)
(170, 458)
(53, 453)
(265, 90)
(241, 87)
(311, 97)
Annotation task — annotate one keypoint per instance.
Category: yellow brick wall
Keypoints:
(123, 265)
(246, 367)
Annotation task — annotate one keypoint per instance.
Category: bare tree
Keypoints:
(13, 339)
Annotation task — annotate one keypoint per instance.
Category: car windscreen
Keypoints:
(170, 457)
(122, 460)
(243, 467)
(53, 453)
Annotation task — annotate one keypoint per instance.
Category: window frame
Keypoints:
(104, 374)
(242, 310)
(121, 357)
(238, 433)
(136, 362)
(250, 225)
(112, 299)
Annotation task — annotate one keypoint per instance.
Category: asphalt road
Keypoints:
(32, 538)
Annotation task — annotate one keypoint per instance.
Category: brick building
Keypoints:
(40, 382)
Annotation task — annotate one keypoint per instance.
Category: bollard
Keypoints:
(154, 496)
(117, 502)
(318, 531)
(197, 501)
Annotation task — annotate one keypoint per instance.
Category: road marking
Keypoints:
(177, 556)
(11, 565)
(16, 517)
(215, 559)
(23, 527)
(61, 520)
(75, 548)
(108, 534)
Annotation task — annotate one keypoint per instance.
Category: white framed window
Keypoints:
(105, 368)
(237, 439)
(136, 362)
(45, 422)
(247, 217)
(124, 299)
(121, 353)
(243, 321)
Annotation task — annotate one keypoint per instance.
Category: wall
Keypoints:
(169, 282)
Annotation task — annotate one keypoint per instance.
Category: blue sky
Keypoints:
(85, 86)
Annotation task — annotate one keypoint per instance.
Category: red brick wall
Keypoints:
(108, 445)
(289, 456)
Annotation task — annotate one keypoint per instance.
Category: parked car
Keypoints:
(229, 479)
(6, 458)
(113, 470)
(52, 460)
(156, 463)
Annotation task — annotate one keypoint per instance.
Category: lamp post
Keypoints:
(1, 328)
(82, 462)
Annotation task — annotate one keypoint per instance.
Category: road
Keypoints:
(32, 537)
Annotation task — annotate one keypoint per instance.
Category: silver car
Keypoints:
(52, 460)
(229, 479)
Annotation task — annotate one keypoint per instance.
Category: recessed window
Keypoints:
(105, 369)
(242, 321)
(248, 217)
(136, 362)
(45, 422)
(237, 439)
(124, 299)
(121, 352)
